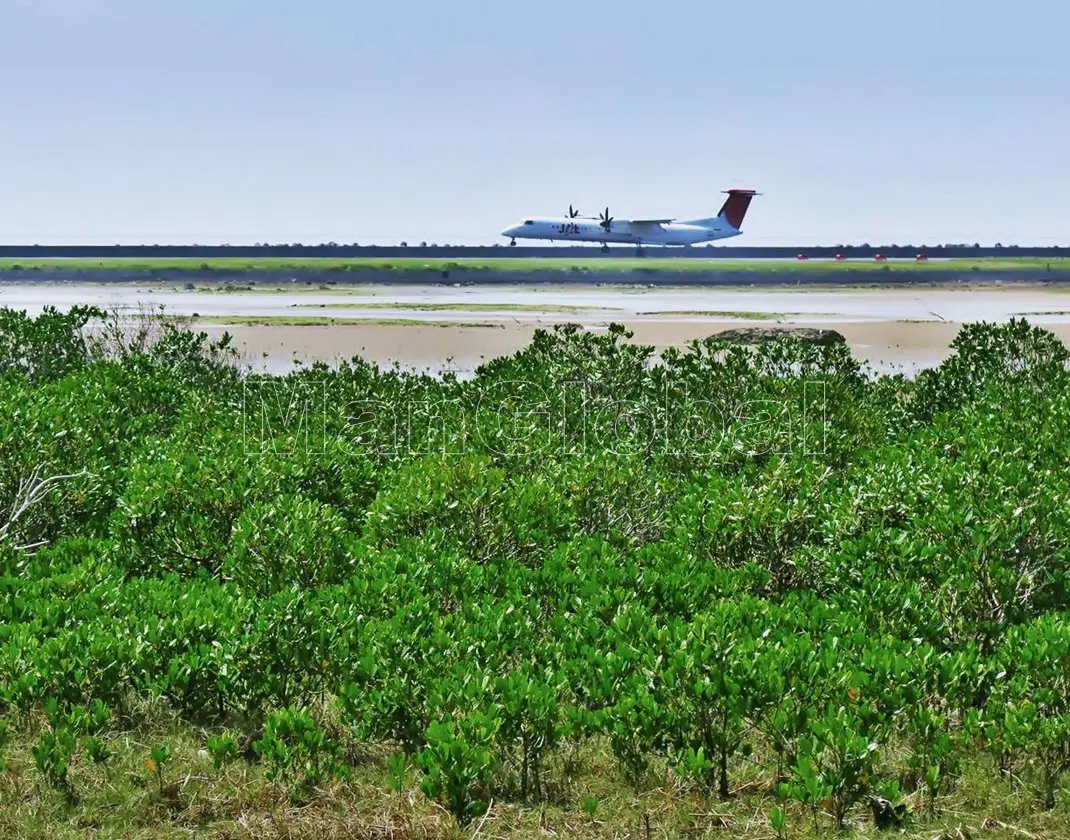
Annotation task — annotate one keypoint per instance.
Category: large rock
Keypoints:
(760, 335)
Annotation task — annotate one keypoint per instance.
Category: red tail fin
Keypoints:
(735, 208)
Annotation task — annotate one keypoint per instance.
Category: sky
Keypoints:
(243, 121)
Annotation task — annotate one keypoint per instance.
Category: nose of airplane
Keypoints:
(509, 231)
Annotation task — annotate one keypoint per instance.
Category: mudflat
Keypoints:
(439, 327)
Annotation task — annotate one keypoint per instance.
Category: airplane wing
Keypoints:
(649, 221)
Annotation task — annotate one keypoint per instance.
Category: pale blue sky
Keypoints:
(259, 120)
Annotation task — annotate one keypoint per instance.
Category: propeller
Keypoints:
(572, 214)
(606, 220)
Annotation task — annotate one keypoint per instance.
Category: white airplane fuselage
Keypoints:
(591, 230)
(574, 228)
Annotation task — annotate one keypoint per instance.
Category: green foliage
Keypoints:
(81, 720)
(710, 690)
(52, 755)
(298, 753)
(97, 751)
(47, 347)
(223, 749)
(985, 354)
(842, 748)
(778, 820)
(1030, 708)
(532, 720)
(159, 758)
(807, 785)
(686, 559)
(836, 761)
(56, 747)
(288, 542)
(458, 764)
(398, 768)
(179, 508)
(889, 809)
(933, 757)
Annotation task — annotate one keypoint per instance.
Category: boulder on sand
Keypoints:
(760, 335)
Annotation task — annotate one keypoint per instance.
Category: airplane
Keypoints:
(605, 229)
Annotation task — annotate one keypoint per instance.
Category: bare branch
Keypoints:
(32, 490)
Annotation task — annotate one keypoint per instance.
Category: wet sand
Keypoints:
(886, 346)
(893, 329)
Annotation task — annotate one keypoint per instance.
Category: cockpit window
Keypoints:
(529, 222)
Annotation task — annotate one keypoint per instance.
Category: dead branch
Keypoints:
(31, 491)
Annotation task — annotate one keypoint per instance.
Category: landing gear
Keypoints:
(605, 248)
(639, 252)
(513, 243)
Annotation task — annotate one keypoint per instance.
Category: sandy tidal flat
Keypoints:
(433, 328)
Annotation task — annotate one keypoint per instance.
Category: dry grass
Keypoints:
(587, 797)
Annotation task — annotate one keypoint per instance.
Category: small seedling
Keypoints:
(158, 758)
(52, 755)
(778, 819)
(223, 749)
(97, 751)
(397, 765)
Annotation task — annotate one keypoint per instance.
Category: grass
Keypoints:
(293, 289)
(249, 286)
(460, 307)
(321, 321)
(122, 798)
(419, 265)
